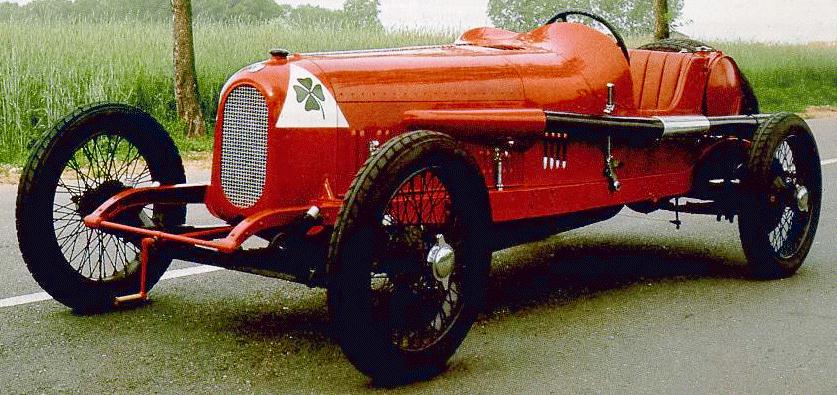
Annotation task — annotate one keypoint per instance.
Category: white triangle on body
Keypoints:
(294, 114)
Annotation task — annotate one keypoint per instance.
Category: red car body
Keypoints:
(490, 83)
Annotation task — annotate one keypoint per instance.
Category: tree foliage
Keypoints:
(362, 13)
(630, 16)
(238, 10)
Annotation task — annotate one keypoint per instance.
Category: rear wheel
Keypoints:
(409, 258)
(677, 45)
(90, 156)
(780, 212)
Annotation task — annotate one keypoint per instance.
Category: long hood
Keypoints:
(451, 73)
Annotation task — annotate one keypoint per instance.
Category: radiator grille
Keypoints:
(244, 146)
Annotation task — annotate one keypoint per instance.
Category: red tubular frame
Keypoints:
(103, 217)
(146, 246)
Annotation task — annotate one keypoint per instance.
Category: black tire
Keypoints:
(750, 104)
(778, 219)
(371, 237)
(676, 45)
(92, 154)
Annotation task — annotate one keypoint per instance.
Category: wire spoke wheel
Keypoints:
(779, 220)
(793, 214)
(415, 280)
(101, 167)
(409, 257)
(90, 156)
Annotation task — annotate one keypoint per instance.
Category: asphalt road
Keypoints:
(626, 306)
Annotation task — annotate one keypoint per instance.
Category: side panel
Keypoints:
(383, 121)
(511, 205)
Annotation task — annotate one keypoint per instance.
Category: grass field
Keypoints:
(788, 77)
(49, 68)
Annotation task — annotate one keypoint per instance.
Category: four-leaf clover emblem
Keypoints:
(311, 94)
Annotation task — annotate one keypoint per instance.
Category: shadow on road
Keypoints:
(556, 271)
(551, 272)
(305, 324)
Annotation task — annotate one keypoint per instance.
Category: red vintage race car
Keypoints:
(389, 176)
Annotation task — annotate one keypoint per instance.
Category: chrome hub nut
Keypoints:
(442, 258)
(802, 197)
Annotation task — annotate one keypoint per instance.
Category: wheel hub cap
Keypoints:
(442, 258)
(90, 200)
(802, 201)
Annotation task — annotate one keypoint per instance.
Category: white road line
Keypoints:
(189, 271)
(24, 299)
(42, 296)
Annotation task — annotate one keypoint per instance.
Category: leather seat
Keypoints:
(668, 82)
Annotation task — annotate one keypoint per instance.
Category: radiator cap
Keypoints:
(279, 53)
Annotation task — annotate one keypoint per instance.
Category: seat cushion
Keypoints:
(667, 82)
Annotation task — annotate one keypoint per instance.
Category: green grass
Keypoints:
(788, 77)
(49, 68)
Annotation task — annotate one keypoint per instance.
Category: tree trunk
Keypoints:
(661, 24)
(185, 82)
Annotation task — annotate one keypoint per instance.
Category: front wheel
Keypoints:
(90, 156)
(409, 258)
(783, 192)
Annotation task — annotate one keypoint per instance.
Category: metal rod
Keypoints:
(222, 245)
(145, 255)
(611, 104)
(498, 169)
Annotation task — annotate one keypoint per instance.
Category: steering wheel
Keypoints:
(562, 17)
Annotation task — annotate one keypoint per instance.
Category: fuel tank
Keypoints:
(296, 127)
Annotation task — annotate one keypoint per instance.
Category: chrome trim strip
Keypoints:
(684, 124)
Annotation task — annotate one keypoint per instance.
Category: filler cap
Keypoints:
(279, 53)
